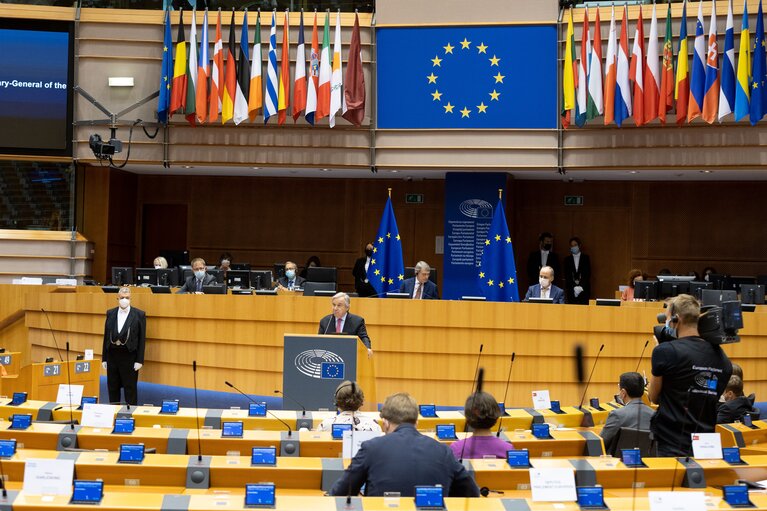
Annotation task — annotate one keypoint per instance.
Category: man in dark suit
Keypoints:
(123, 348)
(360, 272)
(420, 287)
(544, 256)
(344, 322)
(290, 280)
(635, 414)
(404, 458)
(545, 287)
(200, 279)
(577, 274)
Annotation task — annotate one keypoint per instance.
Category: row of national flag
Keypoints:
(649, 82)
(229, 85)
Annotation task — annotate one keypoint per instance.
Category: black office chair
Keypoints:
(632, 438)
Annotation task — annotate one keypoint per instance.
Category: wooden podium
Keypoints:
(42, 381)
(314, 365)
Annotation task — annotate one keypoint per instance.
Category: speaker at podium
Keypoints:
(314, 365)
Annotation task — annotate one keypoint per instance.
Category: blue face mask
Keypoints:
(290, 274)
(671, 331)
(199, 274)
(575, 250)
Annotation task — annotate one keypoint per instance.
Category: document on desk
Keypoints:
(707, 446)
(541, 399)
(352, 440)
(98, 416)
(676, 501)
(552, 484)
(48, 476)
(70, 394)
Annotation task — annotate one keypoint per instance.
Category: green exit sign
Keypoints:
(573, 200)
(413, 198)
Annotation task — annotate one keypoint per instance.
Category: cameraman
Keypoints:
(688, 376)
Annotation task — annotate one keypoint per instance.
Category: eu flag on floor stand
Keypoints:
(497, 274)
(163, 104)
(387, 271)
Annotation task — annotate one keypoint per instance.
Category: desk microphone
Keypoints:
(196, 411)
(480, 377)
(642, 355)
(69, 392)
(290, 431)
(330, 320)
(50, 329)
(303, 408)
(485, 491)
(505, 392)
(580, 371)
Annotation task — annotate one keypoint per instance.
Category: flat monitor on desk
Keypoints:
(214, 290)
(697, 287)
(157, 276)
(310, 288)
(734, 282)
(540, 300)
(238, 279)
(717, 296)
(261, 279)
(646, 290)
(671, 288)
(752, 293)
(122, 275)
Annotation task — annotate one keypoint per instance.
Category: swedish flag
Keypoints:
(497, 273)
(386, 270)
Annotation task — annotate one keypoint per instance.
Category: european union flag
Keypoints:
(332, 371)
(497, 273)
(467, 77)
(386, 270)
(759, 72)
(163, 104)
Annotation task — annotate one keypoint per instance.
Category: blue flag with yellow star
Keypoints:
(386, 270)
(163, 103)
(759, 72)
(497, 273)
(467, 77)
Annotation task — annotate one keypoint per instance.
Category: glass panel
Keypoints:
(35, 195)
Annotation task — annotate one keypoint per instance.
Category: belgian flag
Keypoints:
(178, 89)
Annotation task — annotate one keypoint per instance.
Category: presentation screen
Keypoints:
(36, 87)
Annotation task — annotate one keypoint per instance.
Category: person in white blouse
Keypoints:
(349, 398)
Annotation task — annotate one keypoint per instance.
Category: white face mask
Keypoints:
(157, 267)
(124, 303)
(544, 282)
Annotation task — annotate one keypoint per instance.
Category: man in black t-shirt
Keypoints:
(688, 376)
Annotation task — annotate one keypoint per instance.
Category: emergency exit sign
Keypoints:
(413, 198)
(573, 200)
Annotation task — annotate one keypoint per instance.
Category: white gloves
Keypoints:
(104, 364)
(137, 366)
(577, 290)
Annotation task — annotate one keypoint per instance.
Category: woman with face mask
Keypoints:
(577, 274)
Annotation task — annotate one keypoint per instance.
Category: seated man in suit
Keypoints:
(291, 280)
(341, 321)
(735, 404)
(201, 278)
(635, 414)
(545, 287)
(420, 287)
(404, 458)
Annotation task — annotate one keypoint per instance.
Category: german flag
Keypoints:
(230, 77)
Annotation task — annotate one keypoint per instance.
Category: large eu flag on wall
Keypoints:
(467, 77)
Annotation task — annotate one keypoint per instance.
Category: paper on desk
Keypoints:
(69, 394)
(707, 446)
(541, 399)
(676, 501)
(98, 416)
(48, 476)
(353, 439)
(552, 484)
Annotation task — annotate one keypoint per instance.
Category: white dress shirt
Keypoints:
(545, 292)
(577, 260)
(544, 257)
(122, 317)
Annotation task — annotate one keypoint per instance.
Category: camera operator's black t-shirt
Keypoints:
(695, 373)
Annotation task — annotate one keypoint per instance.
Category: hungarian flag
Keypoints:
(314, 76)
(652, 72)
(299, 87)
(255, 97)
(178, 90)
(336, 79)
(203, 71)
(611, 71)
(243, 76)
(636, 72)
(191, 73)
(682, 86)
(283, 94)
(230, 78)
(666, 101)
(354, 91)
(323, 92)
(216, 75)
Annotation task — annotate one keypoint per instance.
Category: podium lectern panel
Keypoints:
(314, 365)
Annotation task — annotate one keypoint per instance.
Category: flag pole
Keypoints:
(389, 193)
(500, 193)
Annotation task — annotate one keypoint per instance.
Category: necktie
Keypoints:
(419, 292)
(199, 285)
(290, 284)
(338, 326)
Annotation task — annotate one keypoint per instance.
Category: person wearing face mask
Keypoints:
(634, 276)
(577, 274)
(688, 376)
(635, 414)
(160, 263)
(200, 279)
(291, 280)
(225, 263)
(360, 272)
(123, 348)
(545, 287)
(544, 256)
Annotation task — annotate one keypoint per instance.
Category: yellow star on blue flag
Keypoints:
(388, 249)
(498, 278)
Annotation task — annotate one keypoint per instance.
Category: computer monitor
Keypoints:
(261, 279)
(214, 290)
(752, 293)
(669, 288)
(238, 279)
(717, 296)
(410, 272)
(278, 270)
(696, 287)
(676, 278)
(646, 290)
(321, 274)
(311, 287)
(185, 271)
(717, 280)
(733, 282)
(218, 274)
(146, 276)
(122, 275)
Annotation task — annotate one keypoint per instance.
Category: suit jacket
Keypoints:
(133, 332)
(190, 286)
(635, 415)
(299, 281)
(363, 288)
(734, 410)
(399, 461)
(430, 291)
(534, 266)
(555, 293)
(354, 325)
(582, 276)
